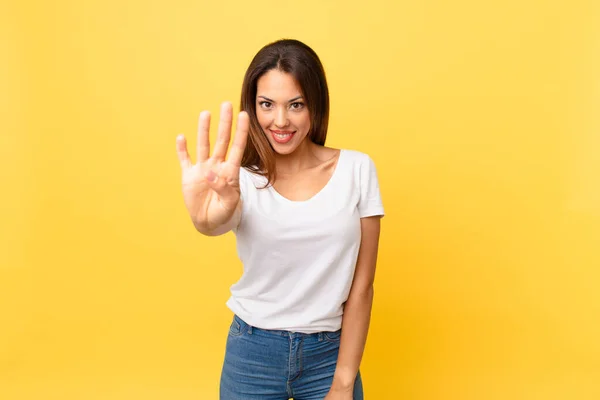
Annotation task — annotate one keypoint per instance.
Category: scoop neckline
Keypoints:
(316, 195)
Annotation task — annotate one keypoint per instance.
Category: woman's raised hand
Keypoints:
(211, 189)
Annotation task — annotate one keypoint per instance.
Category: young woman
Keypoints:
(306, 219)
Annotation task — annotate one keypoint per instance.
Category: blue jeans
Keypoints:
(277, 365)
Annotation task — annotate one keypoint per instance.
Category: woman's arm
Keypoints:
(226, 227)
(357, 309)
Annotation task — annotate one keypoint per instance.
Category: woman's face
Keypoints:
(281, 111)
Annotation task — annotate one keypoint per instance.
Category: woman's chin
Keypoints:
(288, 148)
(283, 149)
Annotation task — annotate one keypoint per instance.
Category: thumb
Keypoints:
(228, 195)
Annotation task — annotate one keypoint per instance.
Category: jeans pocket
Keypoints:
(333, 336)
(235, 329)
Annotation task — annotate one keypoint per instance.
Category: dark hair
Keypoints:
(299, 60)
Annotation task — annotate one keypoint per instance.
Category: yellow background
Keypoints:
(483, 121)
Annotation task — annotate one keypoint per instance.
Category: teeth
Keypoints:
(282, 136)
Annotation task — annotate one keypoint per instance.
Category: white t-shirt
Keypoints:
(299, 256)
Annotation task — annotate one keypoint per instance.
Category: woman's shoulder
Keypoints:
(329, 152)
(356, 156)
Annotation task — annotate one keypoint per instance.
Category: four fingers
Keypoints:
(223, 138)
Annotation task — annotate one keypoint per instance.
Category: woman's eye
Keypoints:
(297, 105)
(265, 104)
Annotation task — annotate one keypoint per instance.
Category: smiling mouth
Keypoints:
(282, 136)
(280, 132)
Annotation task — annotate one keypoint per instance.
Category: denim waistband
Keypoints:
(276, 332)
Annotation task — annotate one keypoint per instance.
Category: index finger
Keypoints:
(239, 142)
(203, 144)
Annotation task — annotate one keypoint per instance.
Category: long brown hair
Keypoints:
(295, 58)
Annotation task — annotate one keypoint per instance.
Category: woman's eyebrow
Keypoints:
(273, 101)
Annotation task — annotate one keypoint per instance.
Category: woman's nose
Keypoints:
(281, 118)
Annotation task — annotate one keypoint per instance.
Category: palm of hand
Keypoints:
(211, 186)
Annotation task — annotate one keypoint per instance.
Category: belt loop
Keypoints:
(320, 336)
(249, 329)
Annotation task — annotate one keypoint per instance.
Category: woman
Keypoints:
(306, 219)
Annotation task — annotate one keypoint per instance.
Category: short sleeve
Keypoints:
(370, 203)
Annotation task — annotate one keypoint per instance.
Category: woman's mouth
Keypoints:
(282, 136)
